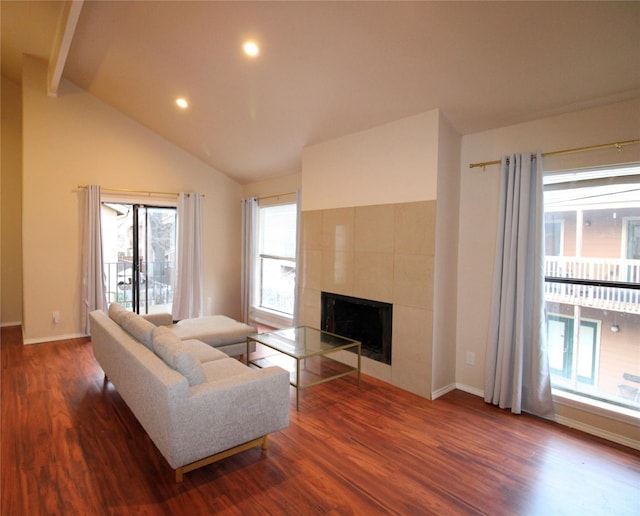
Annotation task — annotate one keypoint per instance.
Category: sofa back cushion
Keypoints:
(171, 350)
(138, 327)
(117, 311)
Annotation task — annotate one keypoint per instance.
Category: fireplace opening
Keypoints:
(360, 319)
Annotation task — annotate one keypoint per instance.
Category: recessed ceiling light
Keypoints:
(251, 48)
(182, 102)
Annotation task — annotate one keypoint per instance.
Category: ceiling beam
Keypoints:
(62, 43)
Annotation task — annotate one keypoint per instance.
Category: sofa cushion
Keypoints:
(215, 330)
(117, 311)
(224, 368)
(160, 319)
(203, 352)
(138, 328)
(171, 350)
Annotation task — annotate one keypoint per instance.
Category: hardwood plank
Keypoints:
(70, 445)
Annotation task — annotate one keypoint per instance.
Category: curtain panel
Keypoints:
(249, 243)
(188, 294)
(94, 295)
(296, 293)
(517, 367)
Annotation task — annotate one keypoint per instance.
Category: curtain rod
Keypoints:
(275, 196)
(125, 190)
(617, 145)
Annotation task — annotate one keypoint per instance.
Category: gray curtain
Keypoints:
(517, 367)
(94, 295)
(249, 232)
(296, 307)
(188, 294)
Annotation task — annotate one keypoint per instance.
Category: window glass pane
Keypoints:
(278, 230)
(275, 262)
(156, 294)
(556, 331)
(152, 242)
(591, 226)
(553, 236)
(586, 352)
(278, 284)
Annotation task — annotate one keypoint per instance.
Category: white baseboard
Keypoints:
(55, 338)
(470, 390)
(442, 391)
(7, 324)
(598, 432)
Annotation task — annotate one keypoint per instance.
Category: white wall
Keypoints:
(75, 139)
(391, 163)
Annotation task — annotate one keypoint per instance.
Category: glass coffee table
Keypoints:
(305, 346)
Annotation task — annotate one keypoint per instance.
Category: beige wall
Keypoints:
(74, 139)
(11, 206)
(479, 199)
(277, 186)
(391, 163)
(446, 259)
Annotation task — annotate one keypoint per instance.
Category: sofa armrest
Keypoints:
(161, 319)
(224, 413)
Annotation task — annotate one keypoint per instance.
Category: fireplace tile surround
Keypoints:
(383, 253)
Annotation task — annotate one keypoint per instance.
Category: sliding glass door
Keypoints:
(139, 245)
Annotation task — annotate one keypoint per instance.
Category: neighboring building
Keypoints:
(592, 233)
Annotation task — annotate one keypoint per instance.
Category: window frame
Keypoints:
(259, 312)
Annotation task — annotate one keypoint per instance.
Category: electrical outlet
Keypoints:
(471, 358)
(55, 317)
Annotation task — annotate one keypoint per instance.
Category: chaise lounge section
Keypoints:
(196, 403)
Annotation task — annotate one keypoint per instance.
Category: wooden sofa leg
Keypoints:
(219, 456)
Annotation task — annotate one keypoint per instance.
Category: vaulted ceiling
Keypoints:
(326, 69)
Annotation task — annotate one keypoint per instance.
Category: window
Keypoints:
(274, 293)
(592, 283)
(561, 341)
(632, 239)
(139, 251)
(553, 232)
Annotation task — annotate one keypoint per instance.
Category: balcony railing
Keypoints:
(604, 297)
(156, 283)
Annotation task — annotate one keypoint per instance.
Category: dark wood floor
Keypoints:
(71, 446)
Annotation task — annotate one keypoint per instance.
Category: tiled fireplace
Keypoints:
(382, 253)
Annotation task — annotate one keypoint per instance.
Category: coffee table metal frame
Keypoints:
(301, 343)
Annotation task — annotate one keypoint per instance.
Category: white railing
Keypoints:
(598, 269)
(156, 286)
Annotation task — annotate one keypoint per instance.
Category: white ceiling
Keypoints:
(327, 69)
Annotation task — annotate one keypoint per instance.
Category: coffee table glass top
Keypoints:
(303, 341)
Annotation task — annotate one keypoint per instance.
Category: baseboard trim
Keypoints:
(442, 391)
(470, 390)
(54, 338)
(7, 324)
(598, 432)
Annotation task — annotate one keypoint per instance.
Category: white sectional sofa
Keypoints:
(196, 403)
